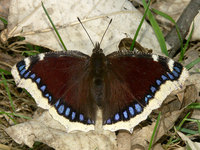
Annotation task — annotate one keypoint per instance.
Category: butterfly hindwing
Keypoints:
(59, 81)
(136, 85)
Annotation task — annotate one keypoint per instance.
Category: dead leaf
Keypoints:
(196, 32)
(192, 145)
(48, 131)
(28, 19)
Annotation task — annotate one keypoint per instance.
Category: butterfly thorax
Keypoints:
(97, 72)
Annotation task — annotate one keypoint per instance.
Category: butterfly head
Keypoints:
(97, 48)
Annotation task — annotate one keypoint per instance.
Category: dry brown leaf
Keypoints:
(47, 130)
(196, 32)
(194, 79)
(192, 145)
(173, 8)
(191, 54)
(27, 18)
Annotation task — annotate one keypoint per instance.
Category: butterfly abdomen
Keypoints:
(97, 73)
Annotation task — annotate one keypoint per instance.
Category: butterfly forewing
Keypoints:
(59, 81)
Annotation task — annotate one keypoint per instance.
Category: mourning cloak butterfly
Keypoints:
(126, 86)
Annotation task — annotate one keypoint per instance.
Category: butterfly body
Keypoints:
(126, 86)
(98, 65)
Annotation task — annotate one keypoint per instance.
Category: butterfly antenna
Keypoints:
(105, 31)
(85, 31)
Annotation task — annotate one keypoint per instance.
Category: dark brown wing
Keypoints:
(137, 84)
(61, 80)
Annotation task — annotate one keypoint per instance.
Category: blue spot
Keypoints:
(26, 75)
(153, 89)
(146, 100)
(50, 98)
(42, 88)
(21, 67)
(47, 95)
(38, 80)
(67, 111)
(57, 103)
(81, 117)
(73, 115)
(116, 116)
(125, 114)
(138, 108)
(177, 69)
(89, 121)
(108, 121)
(32, 76)
(158, 82)
(164, 77)
(175, 73)
(170, 76)
(131, 110)
(149, 96)
(22, 72)
(61, 109)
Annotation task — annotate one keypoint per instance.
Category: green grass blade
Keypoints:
(5, 72)
(188, 131)
(4, 21)
(139, 27)
(157, 30)
(182, 122)
(198, 123)
(61, 41)
(191, 64)
(166, 16)
(194, 106)
(186, 44)
(154, 132)
(8, 91)
(10, 117)
(170, 141)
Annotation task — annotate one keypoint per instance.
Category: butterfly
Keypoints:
(126, 86)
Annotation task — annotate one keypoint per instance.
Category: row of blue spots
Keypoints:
(61, 109)
(48, 96)
(126, 113)
(22, 70)
(147, 98)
